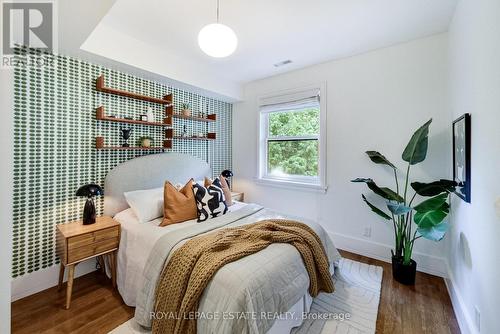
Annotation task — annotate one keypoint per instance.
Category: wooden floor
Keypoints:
(97, 308)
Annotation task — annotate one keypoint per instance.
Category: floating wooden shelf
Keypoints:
(167, 122)
(209, 118)
(99, 144)
(99, 86)
(121, 148)
(193, 138)
(99, 115)
(169, 135)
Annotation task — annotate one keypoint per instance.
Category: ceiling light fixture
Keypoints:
(216, 39)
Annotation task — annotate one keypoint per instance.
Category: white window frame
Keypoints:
(314, 183)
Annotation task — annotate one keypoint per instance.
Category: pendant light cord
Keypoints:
(217, 11)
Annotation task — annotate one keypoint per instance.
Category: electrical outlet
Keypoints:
(367, 232)
(477, 318)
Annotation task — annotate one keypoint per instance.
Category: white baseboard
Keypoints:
(463, 317)
(40, 280)
(425, 263)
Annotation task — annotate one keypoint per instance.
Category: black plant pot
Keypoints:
(404, 274)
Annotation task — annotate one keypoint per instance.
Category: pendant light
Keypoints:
(216, 39)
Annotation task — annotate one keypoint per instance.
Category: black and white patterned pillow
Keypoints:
(210, 201)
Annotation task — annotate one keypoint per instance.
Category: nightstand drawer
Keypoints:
(91, 238)
(94, 248)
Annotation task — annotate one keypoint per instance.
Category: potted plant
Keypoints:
(428, 216)
(185, 109)
(145, 141)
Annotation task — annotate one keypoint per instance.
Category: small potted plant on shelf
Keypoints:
(145, 141)
(185, 109)
(428, 216)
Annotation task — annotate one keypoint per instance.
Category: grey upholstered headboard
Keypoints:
(149, 171)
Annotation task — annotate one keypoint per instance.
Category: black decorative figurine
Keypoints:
(126, 136)
(89, 191)
(227, 174)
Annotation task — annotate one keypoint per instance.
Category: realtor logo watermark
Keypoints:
(31, 24)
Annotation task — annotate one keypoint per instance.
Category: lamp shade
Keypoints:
(217, 40)
(89, 190)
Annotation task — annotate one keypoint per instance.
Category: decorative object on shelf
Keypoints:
(227, 174)
(126, 136)
(216, 39)
(184, 132)
(150, 115)
(461, 156)
(201, 135)
(185, 110)
(429, 216)
(144, 118)
(145, 141)
(89, 191)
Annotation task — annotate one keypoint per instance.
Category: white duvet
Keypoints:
(289, 283)
(137, 240)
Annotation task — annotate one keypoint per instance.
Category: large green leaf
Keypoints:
(430, 218)
(378, 158)
(398, 208)
(381, 191)
(434, 233)
(376, 210)
(434, 188)
(433, 203)
(416, 150)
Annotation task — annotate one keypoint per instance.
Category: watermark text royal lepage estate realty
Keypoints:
(338, 316)
(30, 24)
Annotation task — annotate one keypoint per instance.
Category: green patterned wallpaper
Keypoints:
(54, 154)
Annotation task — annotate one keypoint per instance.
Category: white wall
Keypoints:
(374, 101)
(6, 152)
(474, 254)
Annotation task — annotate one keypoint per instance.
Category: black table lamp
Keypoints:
(227, 174)
(89, 191)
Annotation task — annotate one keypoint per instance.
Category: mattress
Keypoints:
(137, 241)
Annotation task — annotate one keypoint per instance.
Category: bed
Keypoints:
(272, 281)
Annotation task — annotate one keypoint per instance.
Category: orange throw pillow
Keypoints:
(207, 182)
(226, 191)
(179, 205)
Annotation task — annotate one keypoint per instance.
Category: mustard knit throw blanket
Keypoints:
(193, 265)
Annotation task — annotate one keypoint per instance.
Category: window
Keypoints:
(291, 146)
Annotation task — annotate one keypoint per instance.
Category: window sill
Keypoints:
(291, 185)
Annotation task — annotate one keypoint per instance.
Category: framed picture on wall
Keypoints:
(461, 156)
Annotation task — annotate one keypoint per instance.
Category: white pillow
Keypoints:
(146, 204)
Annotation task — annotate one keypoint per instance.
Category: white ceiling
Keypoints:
(270, 31)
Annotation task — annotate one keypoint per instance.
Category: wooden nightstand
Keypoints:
(77, 242)
(238, 196)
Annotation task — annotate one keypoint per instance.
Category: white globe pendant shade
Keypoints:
(217, 40)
